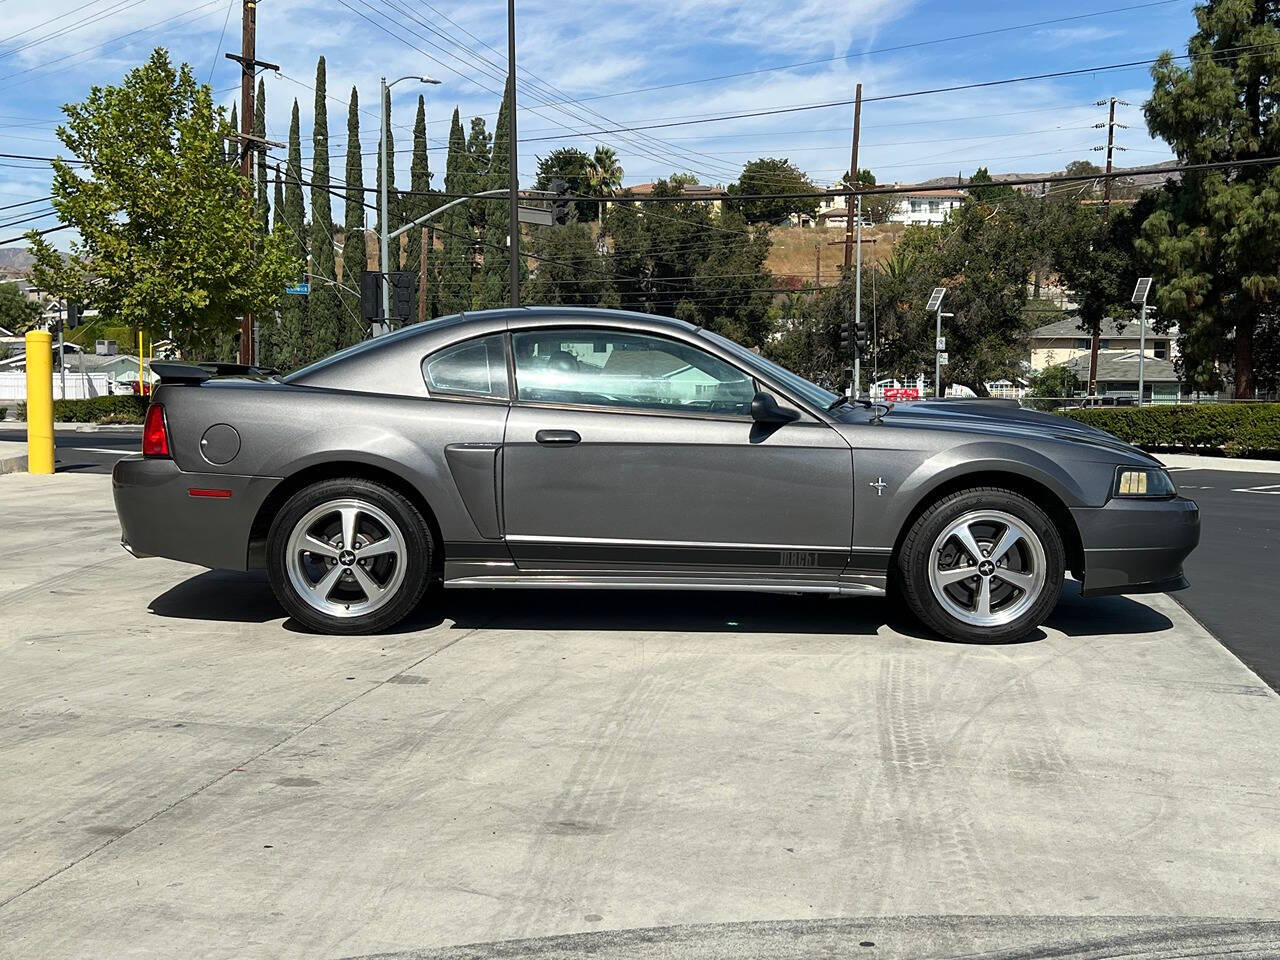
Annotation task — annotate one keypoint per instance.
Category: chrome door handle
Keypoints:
(557, 438)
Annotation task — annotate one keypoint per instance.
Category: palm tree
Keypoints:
(605, 174)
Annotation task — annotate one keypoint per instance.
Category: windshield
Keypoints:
(797, 384)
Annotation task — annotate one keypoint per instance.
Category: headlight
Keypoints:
(1149, 482)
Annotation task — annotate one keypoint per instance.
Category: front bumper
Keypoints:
(160, 518)
(1137, 546)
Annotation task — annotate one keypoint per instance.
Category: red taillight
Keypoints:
(155, 438)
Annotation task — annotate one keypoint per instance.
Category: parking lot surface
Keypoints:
(188, 774)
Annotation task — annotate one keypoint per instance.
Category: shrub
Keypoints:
(123, 408)
(1235, 429)
(3, 412)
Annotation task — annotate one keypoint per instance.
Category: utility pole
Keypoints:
(817, 264)
(422, 277)
(848, 233)
(514, 173)
(853, 177)
(248, 60)
(1096, 339)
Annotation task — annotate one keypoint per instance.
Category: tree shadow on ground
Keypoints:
(224, 596)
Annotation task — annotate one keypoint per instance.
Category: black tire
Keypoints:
(1033, 606)
(407, 585)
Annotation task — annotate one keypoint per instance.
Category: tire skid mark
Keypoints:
(938, 833)
(599, 786)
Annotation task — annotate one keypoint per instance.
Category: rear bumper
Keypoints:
(159, 517)
(1137, 546)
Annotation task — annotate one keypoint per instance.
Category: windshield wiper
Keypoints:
(842, 400)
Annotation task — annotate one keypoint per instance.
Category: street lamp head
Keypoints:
(431, 80)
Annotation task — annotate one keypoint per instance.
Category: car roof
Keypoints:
(381, 359)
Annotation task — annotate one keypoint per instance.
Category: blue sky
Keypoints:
(52, 51)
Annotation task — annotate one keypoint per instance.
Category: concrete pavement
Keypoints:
(187, 774)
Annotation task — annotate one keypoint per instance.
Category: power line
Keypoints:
(868, 53)
(797, 108)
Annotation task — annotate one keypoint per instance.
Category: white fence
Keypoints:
(13, 386)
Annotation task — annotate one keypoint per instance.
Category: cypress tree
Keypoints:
(455, 267)
(260, 176)
(324, 308)
(495, 290)
(415, 206)
(290, 351)
(354, 255)
(233, 145)
(393, 202)
(277, 204)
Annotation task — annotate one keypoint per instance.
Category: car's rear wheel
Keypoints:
(349, 556)
(982, 566)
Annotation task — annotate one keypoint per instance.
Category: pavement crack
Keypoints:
(236, 767)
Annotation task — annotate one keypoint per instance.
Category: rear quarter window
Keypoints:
(474, 368)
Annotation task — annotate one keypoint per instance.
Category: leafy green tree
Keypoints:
(875, 209)
(983, 259)
(1051, 384)
(416, 205)
(17, 313)
(355, 257)
(169, 241)
(685, 261)
(772, 175)
(574, 167)
(291, 350)
(1214, 238)
(455, 228)
(277, 203)
(324, 311)
(987, 194)
(568, 269)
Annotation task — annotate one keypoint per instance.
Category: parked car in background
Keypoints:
(582, 448)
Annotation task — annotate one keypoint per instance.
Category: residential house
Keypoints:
(697, 192)
(1118, 376)
(928, 207)
(1063, 340)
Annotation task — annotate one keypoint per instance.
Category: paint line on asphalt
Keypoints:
(123, 453)
(1270, 489)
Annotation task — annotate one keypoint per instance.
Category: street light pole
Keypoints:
(384, 254)
(857, 309)
(1140, 294)
(513, 247)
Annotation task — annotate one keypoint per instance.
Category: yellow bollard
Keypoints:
(40, 401)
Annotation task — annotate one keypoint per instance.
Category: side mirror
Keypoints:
(765, 409)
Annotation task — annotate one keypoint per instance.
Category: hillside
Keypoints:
(792, 255)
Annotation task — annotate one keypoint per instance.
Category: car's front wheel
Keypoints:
(349, 556)
(983, 565)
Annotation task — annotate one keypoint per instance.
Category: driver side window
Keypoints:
(613, 368)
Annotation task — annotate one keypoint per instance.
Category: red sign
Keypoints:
(901, 393)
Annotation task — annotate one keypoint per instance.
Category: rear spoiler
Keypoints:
(187, 373)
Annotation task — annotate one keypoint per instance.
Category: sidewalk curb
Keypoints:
(1184, 461)
(13, 464)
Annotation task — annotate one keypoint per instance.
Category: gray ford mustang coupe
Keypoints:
(561, 447)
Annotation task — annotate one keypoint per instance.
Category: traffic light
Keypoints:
(862, 336)
(560, 204)
(73, 315)
(846, 338)
(370, 296)
(403, 286)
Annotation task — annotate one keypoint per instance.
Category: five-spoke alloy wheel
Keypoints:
(349, 556)
(982, 565)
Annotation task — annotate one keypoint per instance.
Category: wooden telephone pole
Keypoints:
(1096, 340)
(247, 58)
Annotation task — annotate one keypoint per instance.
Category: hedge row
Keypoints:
(1235, 429)
(122, 408)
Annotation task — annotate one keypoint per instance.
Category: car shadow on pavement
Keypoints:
(226, 596)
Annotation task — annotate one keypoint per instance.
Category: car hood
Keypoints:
(1006, 420)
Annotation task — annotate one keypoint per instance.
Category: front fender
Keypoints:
(912, 477)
